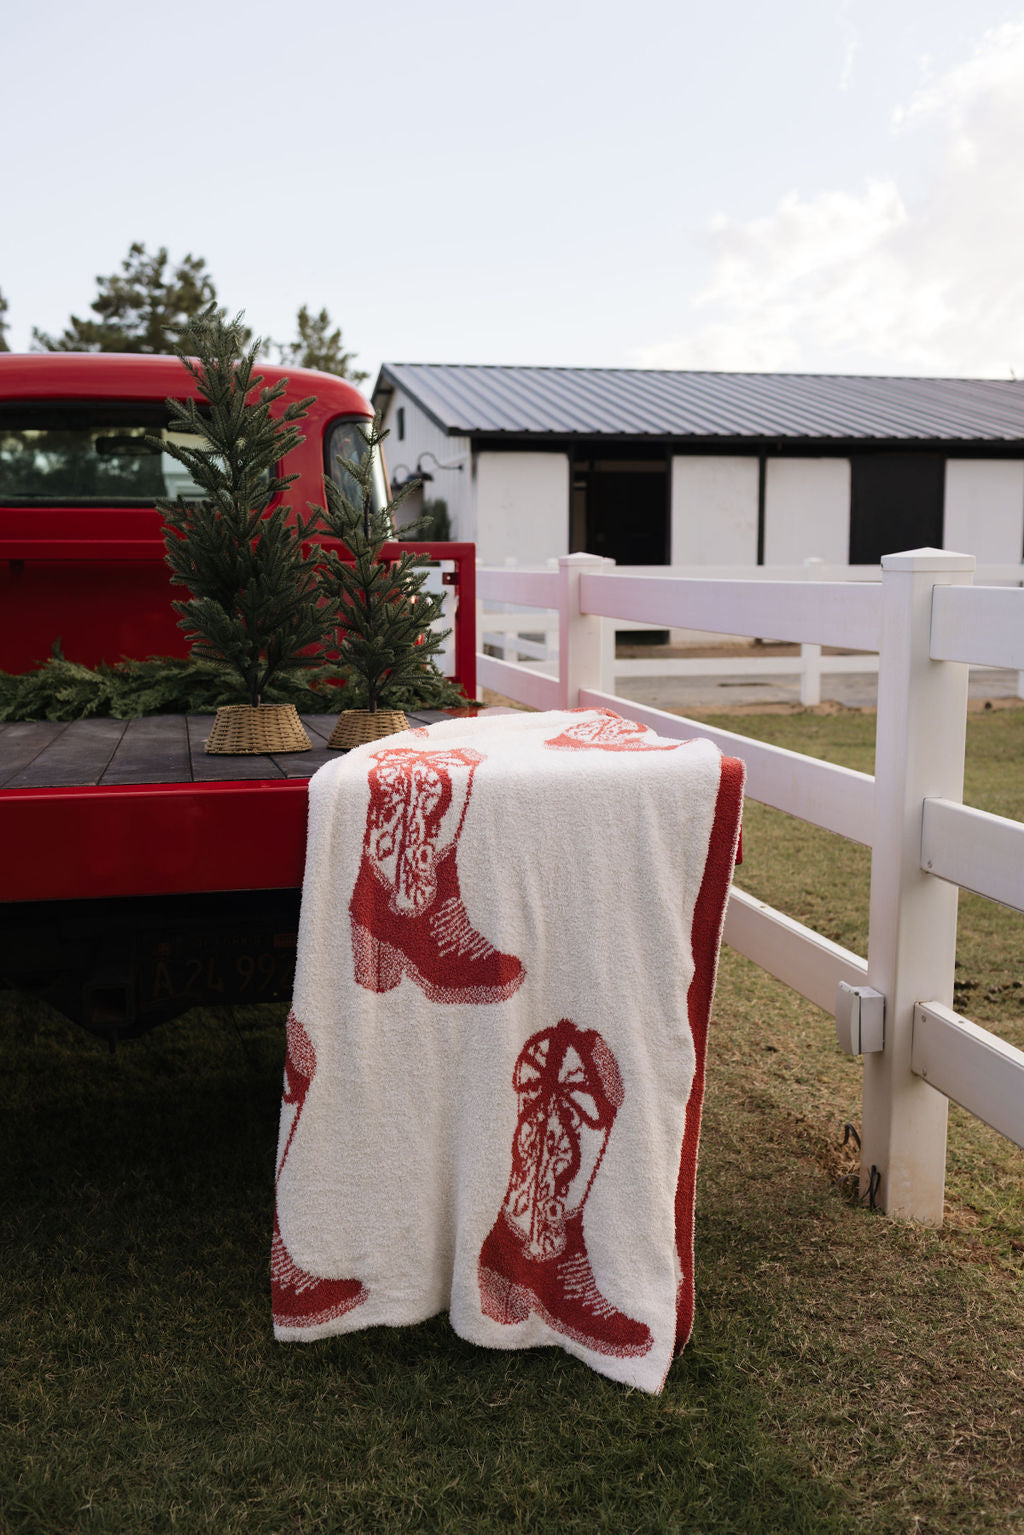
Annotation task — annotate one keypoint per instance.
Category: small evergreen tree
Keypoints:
(3, 325)
(254, 601)
(385, 639)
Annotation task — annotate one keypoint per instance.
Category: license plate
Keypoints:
(242, 966)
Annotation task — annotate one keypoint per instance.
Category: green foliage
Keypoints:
(254, 601)
(431, 690)
(66, 690)
(3, 324)
(433, 526)
(318, 346)
(153, 306)
(146, 307)
(385, 640)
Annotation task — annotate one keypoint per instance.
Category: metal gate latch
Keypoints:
(860, 1019)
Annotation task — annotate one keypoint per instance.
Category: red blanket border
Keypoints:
(708, 919)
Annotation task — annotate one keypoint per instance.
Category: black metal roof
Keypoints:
(488, 400)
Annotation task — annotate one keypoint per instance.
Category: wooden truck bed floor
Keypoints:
(164, 748)
(102, 808)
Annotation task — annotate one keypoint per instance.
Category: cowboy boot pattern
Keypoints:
(407, 913)
(611, 733)
(298, 1298)
(535, 1258)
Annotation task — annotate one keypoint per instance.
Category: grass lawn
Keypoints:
(846, 1373)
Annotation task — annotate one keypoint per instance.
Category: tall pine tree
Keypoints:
(149, 306)
(318, 345)
(253, 593)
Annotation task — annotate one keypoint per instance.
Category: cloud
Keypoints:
(925, 279)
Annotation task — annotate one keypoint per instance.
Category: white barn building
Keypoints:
(710, 468)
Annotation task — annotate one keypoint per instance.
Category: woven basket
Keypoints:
(241, 729)
(357, 726)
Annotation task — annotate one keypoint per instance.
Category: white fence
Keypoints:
(507, 630)
(927, 623)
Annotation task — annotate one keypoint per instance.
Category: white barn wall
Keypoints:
(422, 436)
(714, 510)
(984, 513)
(806, 510)
(515, 505)
(522, 507)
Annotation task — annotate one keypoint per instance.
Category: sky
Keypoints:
(807, 186)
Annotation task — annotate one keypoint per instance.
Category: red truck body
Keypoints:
(88, 570)
(97, 875)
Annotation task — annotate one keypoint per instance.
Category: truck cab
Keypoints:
(81, 545)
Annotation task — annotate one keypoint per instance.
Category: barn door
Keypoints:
(621, 511)
(896, 503)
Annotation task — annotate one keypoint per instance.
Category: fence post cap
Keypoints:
(581, 558)
(928, 559)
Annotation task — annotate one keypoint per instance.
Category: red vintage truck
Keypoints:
(139, 876)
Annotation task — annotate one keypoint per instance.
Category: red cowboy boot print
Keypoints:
(298, 1298)
(535, 1257)
(407, 913)
(610, 733)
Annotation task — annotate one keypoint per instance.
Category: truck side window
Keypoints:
(344, 439)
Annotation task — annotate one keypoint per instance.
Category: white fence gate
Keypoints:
(928, 623)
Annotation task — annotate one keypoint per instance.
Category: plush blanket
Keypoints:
(492, 1095)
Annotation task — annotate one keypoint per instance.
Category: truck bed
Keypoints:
(162, 749)
(101, 808)
(140, 877)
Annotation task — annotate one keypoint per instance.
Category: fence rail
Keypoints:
(981, 1073)
(808, 961)
(848, 616)
(823, 793)
(513, 635)
(974, 849)
(927, 623)
(978, 624)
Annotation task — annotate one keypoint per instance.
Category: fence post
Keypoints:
(919, 752)
(607, 683)
(479, 628)
(810, 655)
(581, 653)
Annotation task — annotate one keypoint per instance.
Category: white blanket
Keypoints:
(506, 961)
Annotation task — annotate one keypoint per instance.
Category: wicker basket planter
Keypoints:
(356, 726)
(242, 729)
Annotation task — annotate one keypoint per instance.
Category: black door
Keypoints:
(620, 510)
(896, 502)
(626, 516)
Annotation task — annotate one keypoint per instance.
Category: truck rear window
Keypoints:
(344, 439)
(88, 454)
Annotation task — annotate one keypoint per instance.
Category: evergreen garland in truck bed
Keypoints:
(64, 690)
